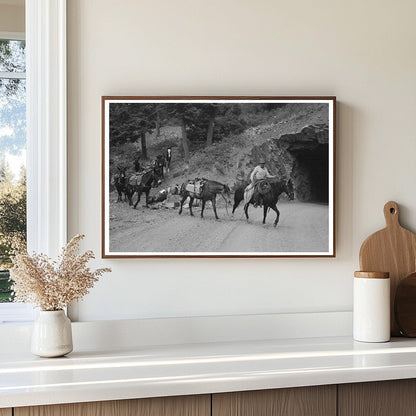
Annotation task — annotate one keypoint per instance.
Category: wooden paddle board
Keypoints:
(393, 250)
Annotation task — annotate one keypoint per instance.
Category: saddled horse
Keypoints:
(269, 198)
(210, 190)
(120, 182)
(142, 183)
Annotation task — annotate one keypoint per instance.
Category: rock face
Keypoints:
(301, 156)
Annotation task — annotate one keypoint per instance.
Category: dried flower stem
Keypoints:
(53, 285)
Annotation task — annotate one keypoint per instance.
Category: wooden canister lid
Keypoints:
(372, 275)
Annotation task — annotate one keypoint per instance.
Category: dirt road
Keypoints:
(303, 227)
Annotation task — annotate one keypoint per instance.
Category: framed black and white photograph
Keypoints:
(218, 176)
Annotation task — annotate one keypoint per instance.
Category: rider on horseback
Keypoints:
(259, 173)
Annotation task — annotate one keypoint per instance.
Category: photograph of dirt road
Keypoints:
(218, 177)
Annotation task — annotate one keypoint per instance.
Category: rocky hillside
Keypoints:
(293, 139)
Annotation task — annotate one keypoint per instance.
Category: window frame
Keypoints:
(46, 137)
(46, 125)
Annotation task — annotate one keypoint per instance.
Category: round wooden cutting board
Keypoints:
(392, 250)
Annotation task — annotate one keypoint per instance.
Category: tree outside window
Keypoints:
(12, 155)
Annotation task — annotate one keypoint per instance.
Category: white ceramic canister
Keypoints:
(371, 314)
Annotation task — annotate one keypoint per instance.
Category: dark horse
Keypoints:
(269, 199)
(159, 166)
(120, 182)
(140, 184)
(209, 192)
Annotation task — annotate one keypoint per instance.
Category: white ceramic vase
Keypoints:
(52, 334)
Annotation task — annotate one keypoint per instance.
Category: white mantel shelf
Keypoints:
(151, 371)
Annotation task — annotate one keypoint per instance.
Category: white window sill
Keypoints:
(16, 313)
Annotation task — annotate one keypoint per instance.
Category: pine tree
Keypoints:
(12, 212)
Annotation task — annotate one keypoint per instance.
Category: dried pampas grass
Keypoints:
(53, 285)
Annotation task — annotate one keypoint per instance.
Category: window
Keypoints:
(12, 165)
(46, 134)
(12, 154)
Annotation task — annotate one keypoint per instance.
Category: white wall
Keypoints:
(361, 51)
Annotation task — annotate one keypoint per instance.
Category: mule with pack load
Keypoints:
(205, 190)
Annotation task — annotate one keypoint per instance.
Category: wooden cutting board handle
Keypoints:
(391, 214)
(393, 250)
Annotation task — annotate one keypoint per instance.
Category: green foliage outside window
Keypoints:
(12, 155)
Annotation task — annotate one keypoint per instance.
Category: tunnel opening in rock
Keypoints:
(311, 173)
(303, 157)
